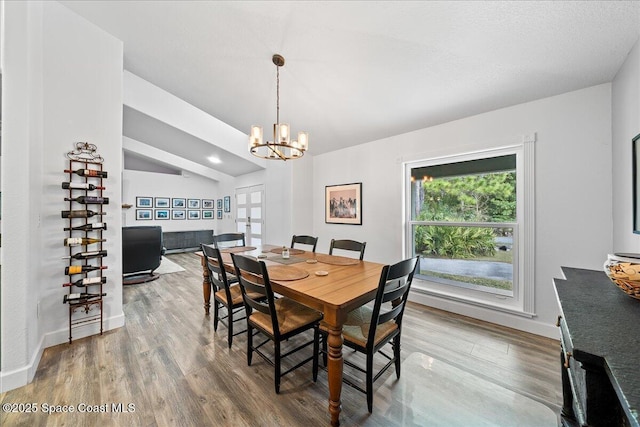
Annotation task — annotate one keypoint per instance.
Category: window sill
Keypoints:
(478, 299)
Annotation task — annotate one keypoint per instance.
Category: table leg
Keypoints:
(206, 285)
(334, 362)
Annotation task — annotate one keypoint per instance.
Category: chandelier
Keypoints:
(282, 147)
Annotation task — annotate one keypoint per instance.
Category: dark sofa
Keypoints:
(142, 252)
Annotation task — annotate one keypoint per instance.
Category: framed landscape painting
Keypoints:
(144, 202)
(162, 202)
(144, 214)
(162, 213)
(207, 214)
(343, 204)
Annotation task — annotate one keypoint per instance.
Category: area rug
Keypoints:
(167, 266)
(432, 393)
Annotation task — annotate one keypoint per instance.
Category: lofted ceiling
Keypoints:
(358, 71)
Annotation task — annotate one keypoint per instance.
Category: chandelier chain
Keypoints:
(277, 94)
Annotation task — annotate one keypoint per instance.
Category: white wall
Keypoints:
(302, 193)
(62, 83)
(573, 188)
(187, 186)
(625, 126)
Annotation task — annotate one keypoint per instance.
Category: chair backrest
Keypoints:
(392, 294)
(347, 245)
(305, 240)
(256, 289)
(229, 237)
(215, 266)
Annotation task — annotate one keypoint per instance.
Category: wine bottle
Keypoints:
(87, 281)
(80, 214)
(88, 172)
(77, 269)
(87, 200)
(80, 186)
(87, 255)
(80, 297)
(89, 227)
(76, 241)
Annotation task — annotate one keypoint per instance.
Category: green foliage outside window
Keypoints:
(473, 198)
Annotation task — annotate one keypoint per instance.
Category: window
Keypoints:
(466, 216)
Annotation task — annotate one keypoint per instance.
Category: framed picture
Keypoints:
(144, 214)
(162, 213)
(207, 215)
(178, 214)
(219, 203)
(178, 203)
(343, 204)
(207, 204)
(193, 214)
(219, 213)
(227, 203)
(193, 203)
(635, 171)
(162, 202)
(144, 202)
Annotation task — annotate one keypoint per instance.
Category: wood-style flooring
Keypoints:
(169, 368)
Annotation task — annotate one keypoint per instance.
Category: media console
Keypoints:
(183, 241)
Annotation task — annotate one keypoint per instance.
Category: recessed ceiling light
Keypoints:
(214, 159)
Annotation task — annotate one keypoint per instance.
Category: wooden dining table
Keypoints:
(333, 285)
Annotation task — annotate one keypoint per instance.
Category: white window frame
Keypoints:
(522, 301)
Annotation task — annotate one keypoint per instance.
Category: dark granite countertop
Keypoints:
(604, 325)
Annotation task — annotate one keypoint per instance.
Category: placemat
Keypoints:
(291, 251)
(287, 261)
(336, 260)
(283, 272)
(237, 249)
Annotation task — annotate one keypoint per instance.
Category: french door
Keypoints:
(250, 213)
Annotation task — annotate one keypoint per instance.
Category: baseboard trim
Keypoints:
(24, 375)
(493, 316)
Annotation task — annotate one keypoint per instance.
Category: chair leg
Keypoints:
(396, 354)
(324, 349)
(276, 345)
(249, 343)
(370, 382)
(230, 328)
(316, 345)
(215, 315)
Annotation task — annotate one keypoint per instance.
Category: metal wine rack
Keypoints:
(87, 310)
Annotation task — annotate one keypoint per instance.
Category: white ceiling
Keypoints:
(360, 71)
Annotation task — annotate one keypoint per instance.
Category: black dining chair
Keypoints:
(305, 240)
(347, 245)
(277, 319)
(238, 238)
(368, 329)
(225, 294)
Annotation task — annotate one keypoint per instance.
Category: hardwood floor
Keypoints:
(174, 371)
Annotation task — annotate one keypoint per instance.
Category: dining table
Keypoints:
(333, 285)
